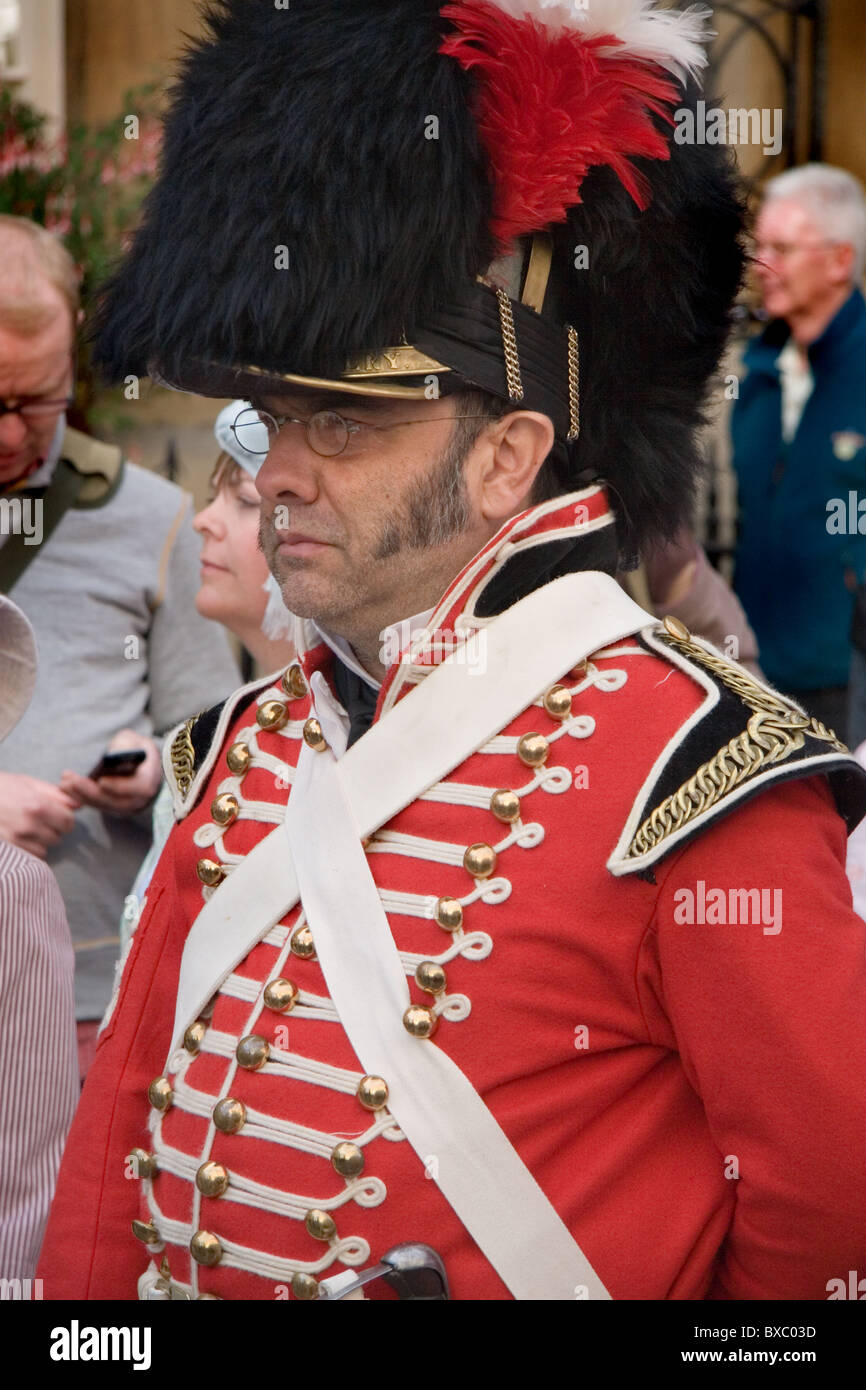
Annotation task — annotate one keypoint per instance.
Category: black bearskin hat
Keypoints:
(381, 195)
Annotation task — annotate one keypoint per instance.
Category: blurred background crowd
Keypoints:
(135, 594)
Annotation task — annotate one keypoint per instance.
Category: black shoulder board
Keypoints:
(744, 738)
(186, 751)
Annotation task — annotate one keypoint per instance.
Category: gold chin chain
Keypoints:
(509, 347)
(573, 383)
(183, 757)
(775, 730)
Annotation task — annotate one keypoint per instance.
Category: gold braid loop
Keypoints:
(183, 757)
(509, 347)
(775, 730)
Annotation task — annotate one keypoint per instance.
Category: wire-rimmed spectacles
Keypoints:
(327, 432)
(36, 407)
(40, 407)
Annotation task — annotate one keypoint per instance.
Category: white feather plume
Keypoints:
(674, 39)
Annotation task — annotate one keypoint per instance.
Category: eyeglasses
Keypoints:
(40, 407)
(327, 432)
(782, 250)
(36, 407)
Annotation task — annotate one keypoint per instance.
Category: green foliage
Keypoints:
(85, 185)
(88, 184)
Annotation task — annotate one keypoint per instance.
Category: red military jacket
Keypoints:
(634, 929)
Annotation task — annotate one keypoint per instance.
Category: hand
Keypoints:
(119, 796)
(34, 815)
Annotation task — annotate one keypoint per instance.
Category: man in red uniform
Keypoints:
(507, 921)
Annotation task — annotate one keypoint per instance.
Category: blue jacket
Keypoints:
(802, 538)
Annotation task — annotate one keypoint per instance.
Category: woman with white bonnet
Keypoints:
(236, 590)
(39, 1066)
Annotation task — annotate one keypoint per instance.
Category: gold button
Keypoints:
(252, 1052)
(210, 872)
(372, 1092)
(420, 1021)
(557, 702)
(159, 1093)
(205, 1248)
(348, 1160)
(532, 749)
(320, 1224)
(224, 808)
(194, 1035)
(505, 805)
(449, 913)
(302, 943)
(304, 1286)
(146, 1231)
(480, 860)
(212, 1179)
(272, 715)
(143, 1164)
(314, 737)
(281, 996)
(430, 976)
(229, 1115)
(294, 683)
(676, 629)
(238, 758)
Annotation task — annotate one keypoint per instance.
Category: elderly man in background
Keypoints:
(102, 559)
(799, 435)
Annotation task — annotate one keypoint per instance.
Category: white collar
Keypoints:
(401, 633)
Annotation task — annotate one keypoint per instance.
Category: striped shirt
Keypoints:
(38, 1059)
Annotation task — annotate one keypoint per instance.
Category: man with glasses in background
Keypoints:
(799, 437)
(102, 558)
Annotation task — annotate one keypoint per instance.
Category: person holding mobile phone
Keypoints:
(104, 563)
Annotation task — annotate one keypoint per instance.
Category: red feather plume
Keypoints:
(552, 105)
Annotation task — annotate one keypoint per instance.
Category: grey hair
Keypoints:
(835, 200)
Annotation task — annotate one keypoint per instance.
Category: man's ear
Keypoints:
(844, 257)
(519, 444)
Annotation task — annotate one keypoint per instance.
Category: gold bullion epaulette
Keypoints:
(744, 738)
(192, 748)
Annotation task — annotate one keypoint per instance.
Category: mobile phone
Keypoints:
(119, 764)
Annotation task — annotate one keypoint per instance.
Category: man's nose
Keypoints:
(13, 430)
(291, 469)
